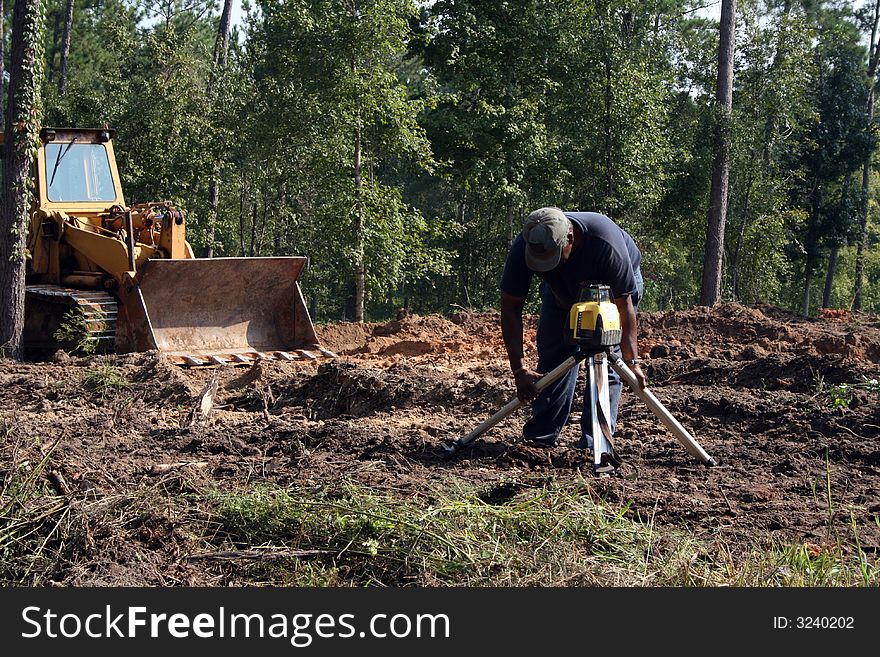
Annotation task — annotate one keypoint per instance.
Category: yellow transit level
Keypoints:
(594, 320)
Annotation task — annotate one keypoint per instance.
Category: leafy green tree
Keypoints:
(836, 142)
(220, 59)
(19, 148)
(331, 114)
(771, 103)
(545, 103)
(609, 106)
(149, 81)
(490, 62)
(873, 21)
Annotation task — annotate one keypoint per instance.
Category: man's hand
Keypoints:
(629, 346)
(525, 384)
(640, 376)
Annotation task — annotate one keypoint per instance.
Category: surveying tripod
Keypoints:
(596, 331)
(605, 459)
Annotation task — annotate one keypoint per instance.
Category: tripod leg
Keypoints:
(592, 392)
(659, 410)
(605, 459)
(514, 404)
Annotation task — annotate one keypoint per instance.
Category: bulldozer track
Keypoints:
(99, 311)
(243, 358)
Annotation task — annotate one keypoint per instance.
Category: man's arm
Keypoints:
(629, 346)
(512, 332)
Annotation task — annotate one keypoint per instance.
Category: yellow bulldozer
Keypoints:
(127, 277)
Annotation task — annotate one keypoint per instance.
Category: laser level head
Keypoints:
(594, 320)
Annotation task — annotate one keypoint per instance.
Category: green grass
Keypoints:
(34, 521)
(105, 381)
(554, 536)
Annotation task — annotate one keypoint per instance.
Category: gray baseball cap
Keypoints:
(545, 233)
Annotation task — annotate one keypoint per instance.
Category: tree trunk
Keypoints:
(21, 128)
(862, 239)
(359, 269)
(811, 243)
(808, 282)
(213, 204)
(53, 50)
(465, 271)
(221, 46)
(221, 52)
(261, 234)
(737, 253)
(835, 249)
(2, 64)
(710, 291)
(242, 206)
(65, 48)
(608, 206)
(252, 252)
(829, 276)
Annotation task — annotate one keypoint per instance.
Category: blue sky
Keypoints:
(237, 13)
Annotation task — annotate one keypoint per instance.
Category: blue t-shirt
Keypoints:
(607, 254)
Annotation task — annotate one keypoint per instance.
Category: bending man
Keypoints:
(567, 250)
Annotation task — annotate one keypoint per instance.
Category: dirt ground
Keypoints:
(785, 405)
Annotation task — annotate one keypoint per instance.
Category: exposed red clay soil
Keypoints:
(754, 385)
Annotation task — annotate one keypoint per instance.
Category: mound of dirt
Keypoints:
(411, 335)
(760, 330)
(342, 337)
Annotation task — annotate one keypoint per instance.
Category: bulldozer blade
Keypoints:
(222, 310)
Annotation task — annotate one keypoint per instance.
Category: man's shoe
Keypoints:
(548, 440)
(586, 442)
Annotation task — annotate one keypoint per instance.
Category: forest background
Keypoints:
(399, 145)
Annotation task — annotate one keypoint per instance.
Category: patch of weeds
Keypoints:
(74, 330)
(55, 391)
(34, 522)
(841, 395)
(542, 537)
(868, 571)
(557, 535)
(809, 565)
(261, 515)
(105, 381)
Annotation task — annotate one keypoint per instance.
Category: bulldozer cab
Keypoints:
(76, 170)
(135, 275)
